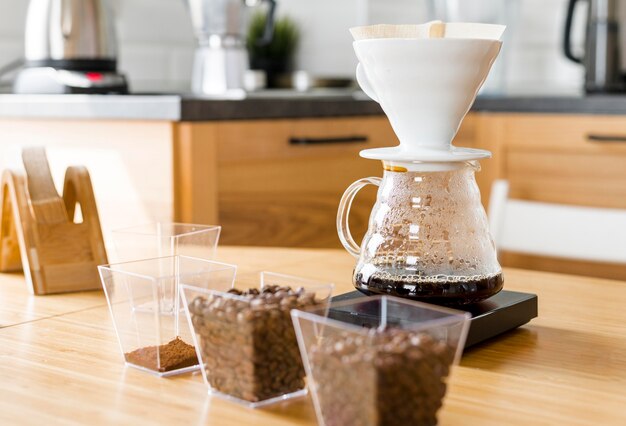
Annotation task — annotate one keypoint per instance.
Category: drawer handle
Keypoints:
(336, 139)
(606, 138)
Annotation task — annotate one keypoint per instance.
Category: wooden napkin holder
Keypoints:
(37, 230)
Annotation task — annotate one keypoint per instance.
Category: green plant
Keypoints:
(284, 41)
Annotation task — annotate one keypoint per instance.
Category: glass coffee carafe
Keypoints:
(428, 237)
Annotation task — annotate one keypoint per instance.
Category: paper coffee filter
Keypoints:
(398, 31)
(433, 29)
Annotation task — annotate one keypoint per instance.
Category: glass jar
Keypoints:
(428, 238)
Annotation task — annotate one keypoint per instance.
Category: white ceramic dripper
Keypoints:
(425, 77)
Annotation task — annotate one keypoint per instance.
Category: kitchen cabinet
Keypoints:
(266, 191)
(579, 160)
(278, 182)
(557, 158)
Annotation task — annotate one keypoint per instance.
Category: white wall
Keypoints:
(157, 42)
(535, 59)
(531, 58)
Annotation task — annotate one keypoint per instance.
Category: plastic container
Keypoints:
(379, 360)
(149, 320)
(246, 343)
(165, 239)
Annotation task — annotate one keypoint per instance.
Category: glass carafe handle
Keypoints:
(343, 228)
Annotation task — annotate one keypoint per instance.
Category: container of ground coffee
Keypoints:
(245, 337)
(387, 371)
(151, 326)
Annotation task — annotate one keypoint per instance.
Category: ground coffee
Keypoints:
(248, 342)
(172, 356)
(392, 377)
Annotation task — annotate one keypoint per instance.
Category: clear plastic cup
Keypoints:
(247, 346)
(379, 360)
(158, 239)
(165, 239)
(149, 320)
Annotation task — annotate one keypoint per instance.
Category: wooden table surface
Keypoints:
(60, 361)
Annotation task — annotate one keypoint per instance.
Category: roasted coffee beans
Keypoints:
(248, 341)
(391, 377)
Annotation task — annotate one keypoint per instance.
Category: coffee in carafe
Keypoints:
(428, 237)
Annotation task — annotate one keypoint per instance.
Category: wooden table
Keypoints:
(60, 362)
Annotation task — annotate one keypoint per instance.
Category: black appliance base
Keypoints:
(503, 312)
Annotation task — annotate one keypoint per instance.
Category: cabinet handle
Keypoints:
(606, 138)
(336, 139)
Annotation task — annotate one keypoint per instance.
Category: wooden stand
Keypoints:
(37, 231)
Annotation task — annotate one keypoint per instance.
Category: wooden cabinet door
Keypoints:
(567, 159)
(280, 181)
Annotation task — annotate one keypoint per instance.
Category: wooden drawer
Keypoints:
(578, 160)
(261, 156)
(274, 192)
(567, 133)
(291, 139)
(265, 190)
(568, 178)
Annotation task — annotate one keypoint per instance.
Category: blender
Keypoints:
(221, 58)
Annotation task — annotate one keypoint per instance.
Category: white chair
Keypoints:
(555, 230)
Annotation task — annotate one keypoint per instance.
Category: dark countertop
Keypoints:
(593, 104)
(269, 105)
(193, 109)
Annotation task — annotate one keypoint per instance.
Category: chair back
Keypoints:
(555, 230)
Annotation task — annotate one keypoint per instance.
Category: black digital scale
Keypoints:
(503, 312)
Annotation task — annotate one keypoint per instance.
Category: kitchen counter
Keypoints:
(280, 104)
(272, 104)
(564, 104)
(60, 361)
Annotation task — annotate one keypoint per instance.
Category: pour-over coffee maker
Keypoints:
(428, 237)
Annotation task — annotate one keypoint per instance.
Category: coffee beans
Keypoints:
(391, 377)
(248, 342)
